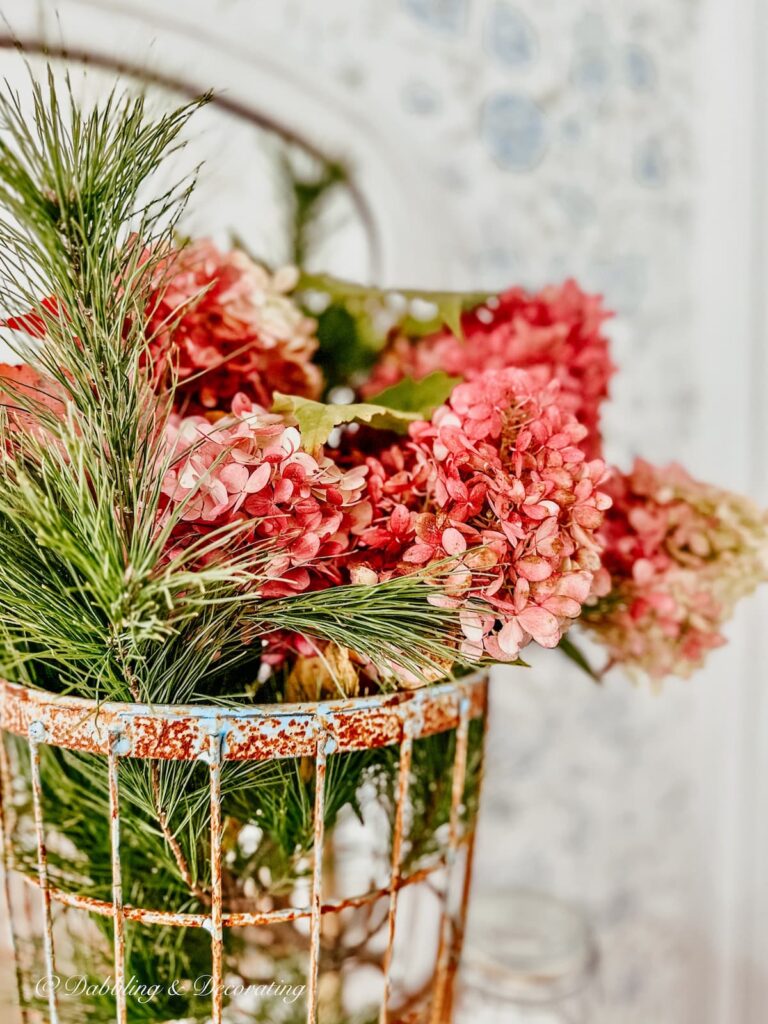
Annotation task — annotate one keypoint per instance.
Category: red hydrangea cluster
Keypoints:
(250, 467)
(554, 334)
(680, 554)
(226, 325)
(498, 487)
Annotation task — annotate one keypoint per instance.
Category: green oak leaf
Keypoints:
(316, 420)
(419, 396)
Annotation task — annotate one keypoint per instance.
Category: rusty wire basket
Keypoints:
(213, 736)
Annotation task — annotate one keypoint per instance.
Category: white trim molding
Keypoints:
(731, 293)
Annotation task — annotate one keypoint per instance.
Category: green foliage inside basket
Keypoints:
(276, 797)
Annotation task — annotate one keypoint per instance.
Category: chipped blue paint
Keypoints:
(121, 745)
(37, 732)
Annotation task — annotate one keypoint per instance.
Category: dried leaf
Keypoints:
(330, 674)
(316, 420)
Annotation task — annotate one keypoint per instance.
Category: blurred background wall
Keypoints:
(523, 141)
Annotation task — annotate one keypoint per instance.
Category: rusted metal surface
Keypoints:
(117, 878)
(214, 735)
(443, 978)
(460, 925)
(42, 871)
(403, 782)
(325, 745)
(7, 854)
(217, 931)
(234, 920)
(263, 732)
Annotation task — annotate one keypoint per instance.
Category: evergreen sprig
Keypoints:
(91, 601)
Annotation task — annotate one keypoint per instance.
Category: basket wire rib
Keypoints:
(117, 878)
(208, 734)
(217, 932)
(42, 870)
(457, 791)
(323, 745)
(7, 854)
(403, 781)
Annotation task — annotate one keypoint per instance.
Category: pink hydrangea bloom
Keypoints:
(250, 466)
(680, 554)
(45, 395)
(227, 325)
(498, 483)
(555, 334)
(39, 388)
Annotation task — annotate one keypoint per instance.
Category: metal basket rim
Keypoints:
(257, 732)
(287, 708)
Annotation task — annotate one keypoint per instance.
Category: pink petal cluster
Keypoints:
(250, 467)
(555, 334)
(226, 325)
(497, 484)
(40, 389)
(47, 400)
(680, 554)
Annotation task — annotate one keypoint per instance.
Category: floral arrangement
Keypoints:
(475, 464)
(221, 481)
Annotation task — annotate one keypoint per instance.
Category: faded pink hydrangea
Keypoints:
(680, 554)
(498, 483)
(226, 325)
(38, 388)
(250, 466)
(556, 333)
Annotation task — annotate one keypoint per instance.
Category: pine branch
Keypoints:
(395, 624)
(89, 599)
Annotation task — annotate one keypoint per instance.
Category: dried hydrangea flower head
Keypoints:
(554, 334)
(227, 325)
(497, 482)
(42, 393)
(250, 466)
(680, 554)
